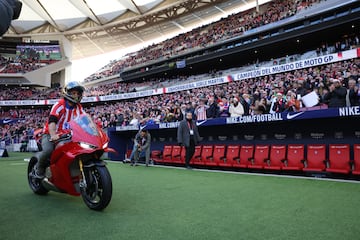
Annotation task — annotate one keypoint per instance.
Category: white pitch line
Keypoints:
(254, 174)
(14, 164)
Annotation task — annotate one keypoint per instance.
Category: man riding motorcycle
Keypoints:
(61, 114)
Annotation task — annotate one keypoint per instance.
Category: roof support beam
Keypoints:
(42, 12)
(129, 4)
(90, 40)
(85, 9)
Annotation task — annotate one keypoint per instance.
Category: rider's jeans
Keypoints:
(47, 149)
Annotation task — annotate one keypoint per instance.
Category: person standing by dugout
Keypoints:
(188, 136)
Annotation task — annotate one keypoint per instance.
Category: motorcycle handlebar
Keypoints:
(62, 137)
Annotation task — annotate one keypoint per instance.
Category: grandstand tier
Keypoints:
(282, 71)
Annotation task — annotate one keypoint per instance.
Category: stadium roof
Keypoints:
(95, 27)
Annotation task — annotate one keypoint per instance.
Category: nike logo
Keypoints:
(291, 116)
(200, 123)
(6, 121)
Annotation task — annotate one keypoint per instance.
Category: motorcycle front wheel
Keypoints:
(98, 190)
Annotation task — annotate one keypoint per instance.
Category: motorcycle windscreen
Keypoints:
(84, 130)
(85, 122)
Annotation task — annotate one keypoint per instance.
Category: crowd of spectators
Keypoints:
(21, 65)
(268, 94)
(336, 84)
(226, 28)
(33, 93)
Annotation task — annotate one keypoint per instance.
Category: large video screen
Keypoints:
(39, 52)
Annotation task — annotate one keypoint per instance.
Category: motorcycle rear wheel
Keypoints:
(98, 192)
(35, 183)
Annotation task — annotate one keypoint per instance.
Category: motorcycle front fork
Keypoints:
(82, 183)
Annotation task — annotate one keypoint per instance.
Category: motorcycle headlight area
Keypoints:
(86, 145)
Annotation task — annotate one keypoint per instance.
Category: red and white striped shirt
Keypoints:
(64, 113)
(201, 113)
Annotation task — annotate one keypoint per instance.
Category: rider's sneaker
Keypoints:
(38, 172)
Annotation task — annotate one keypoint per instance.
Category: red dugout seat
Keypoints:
(166, 155)
(218, 155)
(128, 153)
(246, 153)
(261, 154)
(176, 154)
(179, 157)
(183, 152)
(206, 153)
(232, 156)
(356, 162)
(315, 161)
(156, 156)
(295, 157)
(339, 158)
(277, 157)
(196, 159)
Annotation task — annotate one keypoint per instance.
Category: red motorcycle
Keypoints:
(75, 166)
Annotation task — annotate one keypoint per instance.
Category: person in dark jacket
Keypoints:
(336, 96)
(188, 136)
(213, 109)
(353, 94)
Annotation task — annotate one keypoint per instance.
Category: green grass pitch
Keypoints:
(168, 203)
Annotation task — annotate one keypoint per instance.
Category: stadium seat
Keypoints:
(295, 157)
(156, 156)
(128, 153)
(179, 158)
(196, 159)
(261, 154)
(206, 153)
(277, 157)
(183, 153)
(176, 154)
(218, 155)
(339, 158)
(166, 156)
(246, 153)
(356, 161)
(232, 156)
(316, 157)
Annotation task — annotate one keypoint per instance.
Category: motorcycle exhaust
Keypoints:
(49, 186)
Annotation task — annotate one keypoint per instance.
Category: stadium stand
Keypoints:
(226, 28)
(256, 94)
(28, 58)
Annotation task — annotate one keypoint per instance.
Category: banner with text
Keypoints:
(311, 62)
(263, 118)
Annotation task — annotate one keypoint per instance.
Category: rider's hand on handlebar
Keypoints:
(54, 137)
